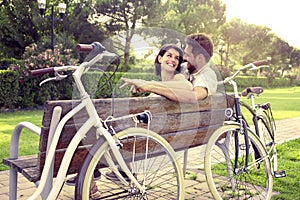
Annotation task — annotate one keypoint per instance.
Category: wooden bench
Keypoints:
(182, 125)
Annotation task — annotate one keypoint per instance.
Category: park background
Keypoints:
(26, 42)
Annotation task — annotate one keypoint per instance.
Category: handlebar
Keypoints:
(84, 47)
(38, 72)
(261, 62)
(89, 47)
(43, 71)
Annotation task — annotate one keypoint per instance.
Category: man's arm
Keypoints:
(174, 90)
(178, 94)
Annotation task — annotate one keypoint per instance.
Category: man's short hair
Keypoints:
(201, 44)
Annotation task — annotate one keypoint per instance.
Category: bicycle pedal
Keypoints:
(279, 174)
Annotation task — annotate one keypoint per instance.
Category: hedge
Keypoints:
(247, 81)
(9, 88)
(29, 94)
(17, 91)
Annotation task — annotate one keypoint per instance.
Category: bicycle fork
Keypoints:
(243, 131)
(119, 158)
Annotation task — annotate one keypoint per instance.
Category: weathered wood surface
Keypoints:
(182, 125)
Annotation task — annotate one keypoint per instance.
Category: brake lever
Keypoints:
(57, 77)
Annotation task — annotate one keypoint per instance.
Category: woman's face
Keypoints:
(170, 60)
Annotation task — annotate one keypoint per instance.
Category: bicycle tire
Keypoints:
(223, 182)
(161, 171)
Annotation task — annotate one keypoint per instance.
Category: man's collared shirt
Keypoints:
(205, 77)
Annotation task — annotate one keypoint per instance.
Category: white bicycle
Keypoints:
(146, 159)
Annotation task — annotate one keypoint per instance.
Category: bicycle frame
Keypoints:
(256, 112)
(238, 114)
(243, 126)
(93, 121)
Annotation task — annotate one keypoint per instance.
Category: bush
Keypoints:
(97, 84)
(5, 63)
(9, 88)
(34, 58)
(266, 82)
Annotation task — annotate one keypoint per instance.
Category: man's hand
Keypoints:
(138, 85)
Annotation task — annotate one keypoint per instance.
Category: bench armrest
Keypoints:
(14, 144)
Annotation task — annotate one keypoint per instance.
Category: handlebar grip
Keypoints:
(261, 62)
(43, 71)
(84, 47)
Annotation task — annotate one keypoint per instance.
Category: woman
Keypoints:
(167, 66)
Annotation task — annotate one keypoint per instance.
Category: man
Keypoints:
(197, 53)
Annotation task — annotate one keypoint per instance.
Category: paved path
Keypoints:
(287, 129)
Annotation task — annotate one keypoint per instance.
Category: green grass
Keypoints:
(285, 102)
(288, 159)
(28, 142)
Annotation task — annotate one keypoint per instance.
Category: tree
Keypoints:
(17, 29)
(245, 43)
(127, 16)
(22, 25)
(232, 34)
(205, 16)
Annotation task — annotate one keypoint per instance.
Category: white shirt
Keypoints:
(205, 77)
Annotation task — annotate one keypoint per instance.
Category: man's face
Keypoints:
(190, 58)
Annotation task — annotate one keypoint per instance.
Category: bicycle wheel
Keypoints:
(267, 136)
(223, 180)
(149, 157)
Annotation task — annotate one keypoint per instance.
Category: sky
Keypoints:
(282, 16)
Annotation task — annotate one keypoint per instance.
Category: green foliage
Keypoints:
(30, 90)
(107, 85)
(236, 42)
(125, 16)
(8, 63)
(17, 29)
(9, 88)
(251, 81)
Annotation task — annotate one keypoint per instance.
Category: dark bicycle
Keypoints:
(240, 161)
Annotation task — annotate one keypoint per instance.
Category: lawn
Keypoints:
(285, 102)
(288, 159)
(28, 141)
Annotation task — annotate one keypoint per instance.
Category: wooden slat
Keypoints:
(160, 124)
(22, 162)
(125, 106)
(26, 165)
(32, 174)
(170, 119)
(178, 140)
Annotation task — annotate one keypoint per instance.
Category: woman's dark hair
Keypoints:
(162, 52)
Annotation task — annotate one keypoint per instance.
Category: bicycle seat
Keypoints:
(255, 90)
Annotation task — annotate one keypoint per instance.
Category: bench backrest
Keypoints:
(182, 125)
